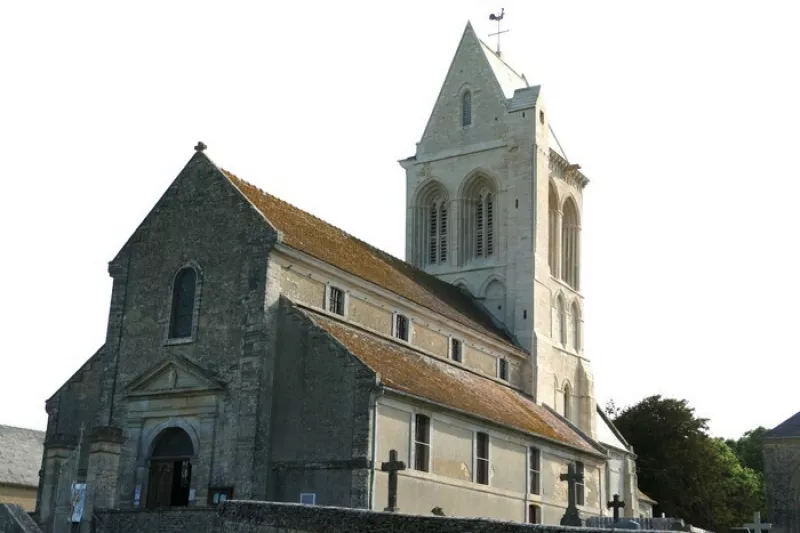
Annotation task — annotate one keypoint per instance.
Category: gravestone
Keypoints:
(571, 517)
(627, 524)
(393, 467)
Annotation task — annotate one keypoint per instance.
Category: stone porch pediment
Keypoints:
(174, 375)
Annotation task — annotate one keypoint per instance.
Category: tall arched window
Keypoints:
(562, 320)
(553, 230)
(570, 244)
(478, 235)
(576, 326)
(567, 401)
(431, 224)
(183, 296)
(484, 225)
(466, 109)
(437, 232)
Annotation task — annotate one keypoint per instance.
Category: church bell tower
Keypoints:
(494, 207)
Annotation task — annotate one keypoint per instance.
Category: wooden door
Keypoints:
(159, 488)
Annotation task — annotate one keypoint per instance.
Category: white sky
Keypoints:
(682, 113)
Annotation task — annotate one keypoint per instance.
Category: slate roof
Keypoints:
(315, 237)
(20, 456)
(788, 428)
(405, 370)
(645, 497)
(506, 76)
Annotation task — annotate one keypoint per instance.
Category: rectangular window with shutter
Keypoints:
(336, 300)
(401, 327)
(534, 471)
(455, 350)
(482, 459)
(422, 443)
(580, 486)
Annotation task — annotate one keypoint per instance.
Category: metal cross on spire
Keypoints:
(498, 18)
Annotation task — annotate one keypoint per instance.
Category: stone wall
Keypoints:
(268, 517)
(320, 417)
(173, 520)
(782, 483)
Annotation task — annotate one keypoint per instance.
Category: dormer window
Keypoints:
(335, 300)
(401, 327)
(466, 109)
(502, 369)
(455, 350)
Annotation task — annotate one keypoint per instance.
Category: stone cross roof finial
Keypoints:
(200, 146)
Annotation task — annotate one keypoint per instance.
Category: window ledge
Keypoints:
(178, 341)
(565, 285)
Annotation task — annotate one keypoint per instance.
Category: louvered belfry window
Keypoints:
(443, 233)
(484, 225)
(437, 232)
(479, 228)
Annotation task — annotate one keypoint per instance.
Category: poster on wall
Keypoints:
(77, 501)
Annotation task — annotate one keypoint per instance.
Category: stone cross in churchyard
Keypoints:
(617, 504)
(757, 526)
(571, 516)
(393, 467)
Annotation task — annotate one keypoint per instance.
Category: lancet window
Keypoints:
(561, 314)
(576, 326)
(183, 303)
(553, 230)
(466, 109)
(570, 245)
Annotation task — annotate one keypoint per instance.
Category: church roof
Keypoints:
(645, 498)
(788, 428)
(20, 456)
(506, 76)
(407, 371)
(315, 237)
(608, 434)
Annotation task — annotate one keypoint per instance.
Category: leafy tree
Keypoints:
(749, 448)
(691, 475)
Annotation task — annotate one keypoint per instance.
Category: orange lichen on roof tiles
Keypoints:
(313, 236)
(405, 370)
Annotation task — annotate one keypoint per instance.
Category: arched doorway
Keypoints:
(170, 469)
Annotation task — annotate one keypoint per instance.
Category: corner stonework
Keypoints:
(105, 447)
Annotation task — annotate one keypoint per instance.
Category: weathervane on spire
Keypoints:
(498, 18)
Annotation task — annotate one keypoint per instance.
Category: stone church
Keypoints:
(254, 351)
(782, 475)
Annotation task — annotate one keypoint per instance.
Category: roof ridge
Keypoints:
(281, 200)
(7, 426)
(503, 61)
(422, 280)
